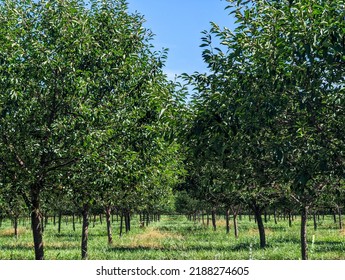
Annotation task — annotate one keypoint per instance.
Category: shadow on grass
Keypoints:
(329, 246)
(181, 229)
(17, 247)
(186, 248)
(60, 246)
(137, 249)
(76, 235)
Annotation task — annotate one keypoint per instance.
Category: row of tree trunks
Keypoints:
(125, 218)
(145, 219)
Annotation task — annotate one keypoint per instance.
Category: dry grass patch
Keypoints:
(152, 238)
(222, 223)
(255, 231)
(10, 231)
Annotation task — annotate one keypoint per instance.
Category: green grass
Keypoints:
(174, 237)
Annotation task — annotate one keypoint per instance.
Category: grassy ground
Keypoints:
(174, 237)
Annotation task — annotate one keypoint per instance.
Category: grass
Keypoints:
(174, 237)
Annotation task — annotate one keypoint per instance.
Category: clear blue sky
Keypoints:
(177, 25)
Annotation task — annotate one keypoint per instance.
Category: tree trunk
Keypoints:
(59, 221)
(46, 219)
(16, 226)
(340, 220)
(85, 232)
(315, 221)
(147, 219)
(235, 225)
(290, 219)
(275, 216)
(227, 215)
(258, 218)
(304, 245)
(121, 224)
(214, 219)
(36, 222)
(73, 221)
(94, 220)
(107, 215)
(127, 222)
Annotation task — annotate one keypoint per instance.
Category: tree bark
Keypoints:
(73, 221)
(290, 219)
(235, 225)
(214, 219)
(339, 218)
(258, 218)
(16, 226)
(315, 221)
(227, 215)
(46, 219)
(108, 215)
(121, 224)
(94, 220)
(304, 244)
(36, 222)
(59, 221)
(127, 221)
(147, 219)
(85, 232)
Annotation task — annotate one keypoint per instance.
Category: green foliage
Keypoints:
(85, 109)
(270, 113)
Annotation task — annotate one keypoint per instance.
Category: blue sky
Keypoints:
(177, 25)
